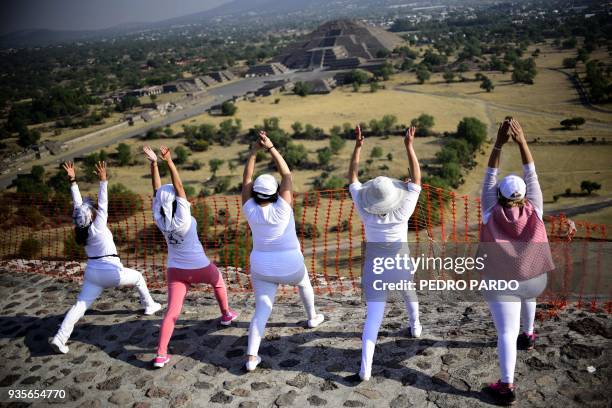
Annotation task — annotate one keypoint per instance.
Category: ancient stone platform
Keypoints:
(112, 346)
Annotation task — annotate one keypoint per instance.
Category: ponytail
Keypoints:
(81, 235)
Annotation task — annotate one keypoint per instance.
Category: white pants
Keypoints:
(265, 290)
(507, 310)
(374, 318)
(95, 281)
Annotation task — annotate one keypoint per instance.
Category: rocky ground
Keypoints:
(111, 349)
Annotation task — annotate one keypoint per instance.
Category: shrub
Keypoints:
(123, 202)
(423, 123)
(29, 217)
(181, 155)
(72, 250)
(30, 248)
(228, 108)
(302, 88)
(376, 152)
(589, 186)
(124, 154)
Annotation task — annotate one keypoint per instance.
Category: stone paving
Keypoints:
(112, 346)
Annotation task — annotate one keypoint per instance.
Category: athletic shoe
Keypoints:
(318, 319)
(252, 365)
(228, 318)
(526, 341)
(355, 379)
(502, 393)
(161, 361)
(415, 330)
(152, 309)
(58, 346)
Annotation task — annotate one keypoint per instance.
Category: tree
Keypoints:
(298, 128)
(487, 84)
(357, 76)
(575, 122)
(124, 154)
(473, 131)
(422, 74)
(424, 123)
(376, 152)
(295, 155)
(448, 76)
(228, 108)
(127, 102)
(302, 88)
(181, 155)
(214, 165)
(569, 63)
(336, 143)
(28, 137)
(324, 155)
(524, 71)
(589, 186)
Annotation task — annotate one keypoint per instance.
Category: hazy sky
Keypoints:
(92, 14)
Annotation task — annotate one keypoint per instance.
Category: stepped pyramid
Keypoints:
(338, 44)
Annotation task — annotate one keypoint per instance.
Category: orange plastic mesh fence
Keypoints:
(38, 237)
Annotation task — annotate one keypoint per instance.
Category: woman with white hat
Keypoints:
(385, 206)
(514, 238)
(104, 268)
(187, 262)
(276, 257)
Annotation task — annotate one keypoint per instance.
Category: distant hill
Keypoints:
(234, 11)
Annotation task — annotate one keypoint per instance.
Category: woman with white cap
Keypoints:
(514, 238)
(104, 268)
(385, 205)
(187, 263)
(276, 257)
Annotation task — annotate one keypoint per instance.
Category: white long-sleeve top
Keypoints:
(100, 241)
(488, 198)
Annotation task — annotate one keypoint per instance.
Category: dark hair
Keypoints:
(264, 198)
(81, 235)
(163, 213)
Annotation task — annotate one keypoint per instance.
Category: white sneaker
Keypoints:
(318, 319)
(364, 377)
(58, 346)
(416, 330)
(252, 365)
(152, 309)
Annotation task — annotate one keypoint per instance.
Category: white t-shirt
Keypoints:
(100, 239)
(391, 227)
(276, 249)
(185, 250)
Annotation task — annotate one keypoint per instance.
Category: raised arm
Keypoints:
(166, 155)
(247, 175)
(488, 197)
(102, 212)
(534, 191)
(77, 200)
(413, 161)
(353, 173)
(152, 157)
(286, 185)
(502, 137)
(519, 137)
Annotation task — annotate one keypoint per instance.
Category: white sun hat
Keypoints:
(513, 187)
(265, 184)
(382, 195)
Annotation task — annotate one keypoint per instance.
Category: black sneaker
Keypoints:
(502, 393)
(526, 341)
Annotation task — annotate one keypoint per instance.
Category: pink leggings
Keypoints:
(179, 281)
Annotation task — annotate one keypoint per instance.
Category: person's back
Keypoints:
(276, 257)
(273, 226)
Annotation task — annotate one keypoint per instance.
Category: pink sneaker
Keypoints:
(161, 361)
(228, 318)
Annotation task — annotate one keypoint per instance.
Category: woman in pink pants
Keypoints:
(187, 262)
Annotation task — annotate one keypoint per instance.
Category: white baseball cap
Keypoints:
(265, 184)
(513, 187)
